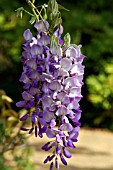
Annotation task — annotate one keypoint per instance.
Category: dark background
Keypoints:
(89, 23)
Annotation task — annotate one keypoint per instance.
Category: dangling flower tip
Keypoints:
(67, 153)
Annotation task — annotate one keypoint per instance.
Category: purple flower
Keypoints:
(24, 78)
(55, 85)
(27, 96)
(59, 31)
(34, 118)
(47, 102)
(31, 130)
(56, 163)
(28, 35)
(21, 103)
(52, 123)
(58, 150)
(62, 111)
(36, 50)
(30, 104)
(77, 69)
(66, 153)
(46, 160)
(51, 133)
(66, 127)
(52, 76)
(51, 157)
(41, 26)
(44, 147)
(23, 118)
(56, 51)
(34, 75)
(66, 64)
(51, 166)
(31, 64)
(63, 160)
(44, 40)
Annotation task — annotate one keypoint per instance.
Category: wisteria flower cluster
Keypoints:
(52, 77)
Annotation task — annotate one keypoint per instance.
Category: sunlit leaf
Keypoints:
(62, 7)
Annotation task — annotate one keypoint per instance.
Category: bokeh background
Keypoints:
(89, 23)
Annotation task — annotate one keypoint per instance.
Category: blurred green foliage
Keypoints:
(89, 23)
(101, 95)
(14, 151)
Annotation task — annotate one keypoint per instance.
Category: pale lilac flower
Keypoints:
(52, 77)
(28, 35)
(66, 64)
(66, 153)
(41, 26)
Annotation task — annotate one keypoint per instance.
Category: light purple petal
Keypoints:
(36, 50)
(52, 123)
(62, 111)
(33, 118)
(55, 85)
(56, 163)
(51, 166)
(34, 75)
(33, 91)
(42, 26)
(66, 127)
(67, 153)
(27, 85)
(23, 118)
(58, 150)
(62, 72)
(56, 51)
(44, 40)
(77, 69)
(66, 64)
(46, 77)
(64, 98)
(32, 64)
(27, 96)
(24, 78)
(47, 101)
(75, 92)
(21, 103)
(46, 160)
(73, 105)
(63, 160)
(50, 133)
(65, 119)
(34, 41)
(30, 104)
(59, 31)
(28, 35)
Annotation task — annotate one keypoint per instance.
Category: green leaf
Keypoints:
(52, 9)
(45, 13)
(33, 1)
(57, 20)
(32, 20)
(67, 39)
(54, 6)
(53, 41)
(74, 45)
(20, 12)
(61, 7)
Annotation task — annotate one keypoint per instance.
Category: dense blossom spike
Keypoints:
(52, 77)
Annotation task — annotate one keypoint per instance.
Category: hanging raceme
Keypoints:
(52, 76)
